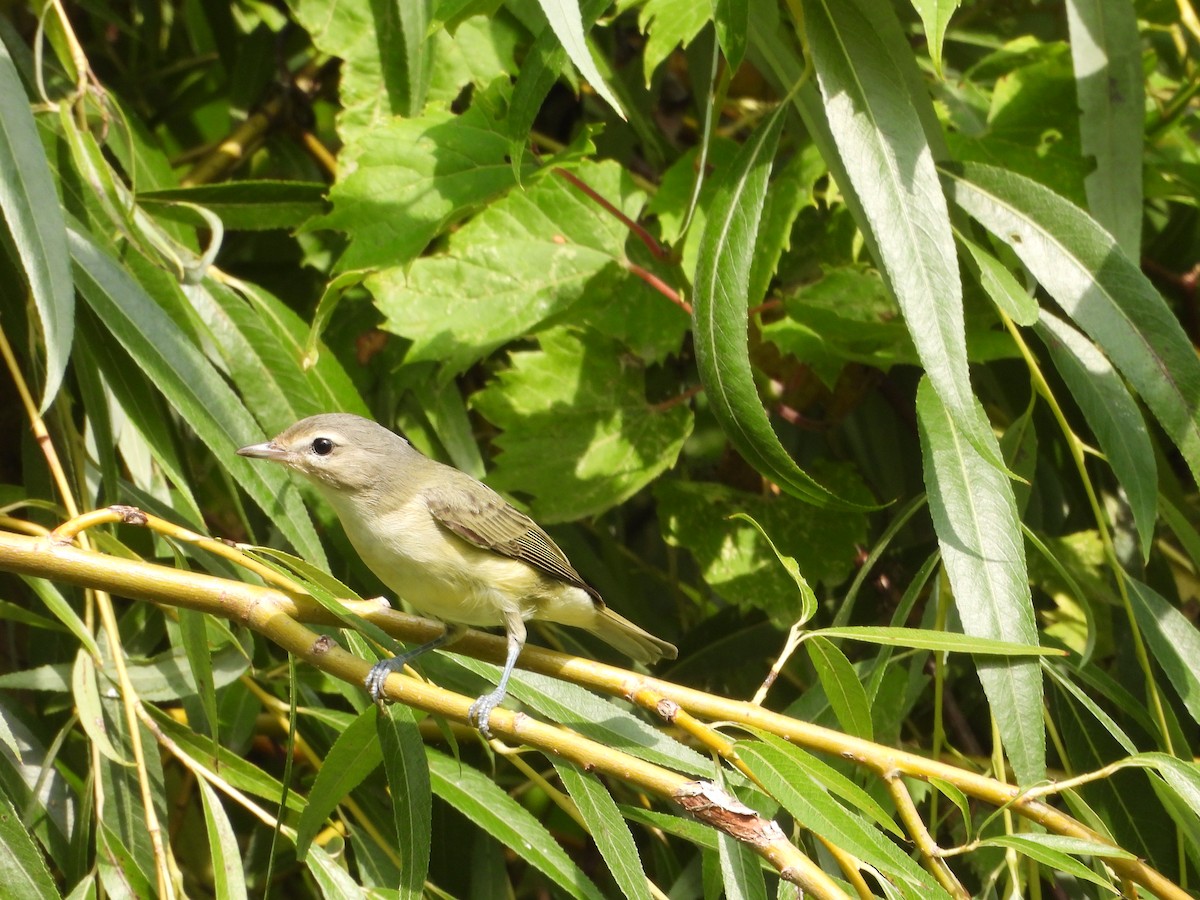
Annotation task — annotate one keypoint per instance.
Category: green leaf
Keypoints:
(607, 828)
(1173, 641)
(1006, 292)
(975, 517)
(566, 21)
(1046, 850)
(482, 802)
(408, 777)
(731, 18)
(1113, 416)
(842, 687)
(244, 205)
(1106, 51)
(668, 24)
(813, 808)
(33, 215)
(384, 50)
(1106, 294)
(740, 871)
(22, 868)
(354, 755)
(808, 600)
(228, 873)
(884, 148)
(407, 179)
(720, 308)
(938, 641)
(738, 562)
(578, 399)
(524, 261)
(935, 16)
(191, 385)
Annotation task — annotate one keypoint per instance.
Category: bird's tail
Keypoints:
(634, 642)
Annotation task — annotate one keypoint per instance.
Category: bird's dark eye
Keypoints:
(322, 446)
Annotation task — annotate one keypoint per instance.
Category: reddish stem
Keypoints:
(659, 285)
(656, 249)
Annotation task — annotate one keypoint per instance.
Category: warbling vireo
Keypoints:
(447, 543)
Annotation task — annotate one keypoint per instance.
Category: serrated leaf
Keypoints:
(567, 22)
(1106, 294)
(1113, 416)
(1173, 640)
(479, 799)
(33, 215)
(408, 777)
(975, 517)
(1106, 52)
(354, 755)
(607, 828)
(668, 24)
(579, 397)
(886, 153)
(191, 386)
(522, 262)
(720, 308)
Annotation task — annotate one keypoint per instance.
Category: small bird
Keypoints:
(447, 543)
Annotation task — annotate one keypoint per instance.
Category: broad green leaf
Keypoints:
(524, 261)
(579, 434)
(479, 799)
(385, 56)
(842, 687)
(567, 23)
(1106, 51)
(738, 562)
(354, 755)
(607, 828)
(22, 869)
(1173, 640)
(719, 317)
(975, 517)
(228, 873)
(407, 179)
(1044, 849)
(935, 16)
(192, 387)
(408, 777)
(1113, 416)
(938, 641)
(33, 215)
(1106, 294)
(813, 808)
(668, 24)
(244, 205)
(808, 600)
(740, 872)
(883, 145)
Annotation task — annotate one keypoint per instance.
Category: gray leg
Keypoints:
(482, 708)
(381, 670)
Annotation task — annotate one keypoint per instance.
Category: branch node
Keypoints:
(130, 515)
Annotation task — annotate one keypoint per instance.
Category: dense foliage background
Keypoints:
(783, 318)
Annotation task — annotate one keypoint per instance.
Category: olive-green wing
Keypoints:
(484, 518)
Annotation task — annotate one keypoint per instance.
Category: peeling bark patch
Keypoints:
(130, 515)
(715, 806)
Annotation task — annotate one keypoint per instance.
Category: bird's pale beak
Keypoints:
(264, 451)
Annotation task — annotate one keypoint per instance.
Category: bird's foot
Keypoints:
(481, 711)
(378, 676)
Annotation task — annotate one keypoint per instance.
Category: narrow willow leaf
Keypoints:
(731, 20)
(193, 633)
(975, 517)
(34, 218)
(1113, 416)
(565, 19)
(935, 16)
(720, 316)
(1002, 286)
(22, 868)
(248, 205)
(408, 777)
(228, 873)
(86, 695)
(842, 687)
(886, 153)
(1045, 852)
(354, 755)
(191, 385)
(1106, 51)
(607, 828)
(1173, 640)
(330, 876)
(740, 872)
(1081, 267)
(938, 641)
(479, 799)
